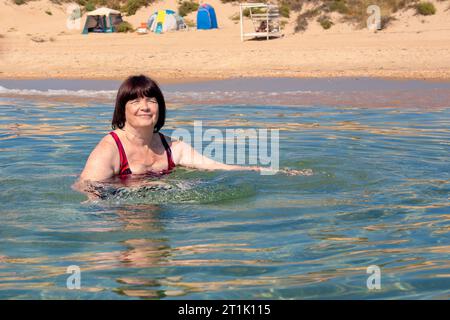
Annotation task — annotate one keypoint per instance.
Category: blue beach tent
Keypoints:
(206, 17)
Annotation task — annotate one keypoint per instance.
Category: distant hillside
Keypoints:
(128, 7)
(351, 11)
(300, 12)
(329, 12)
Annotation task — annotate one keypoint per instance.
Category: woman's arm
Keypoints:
(187, 156)
(99, 166)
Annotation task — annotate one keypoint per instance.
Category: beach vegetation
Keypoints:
(89, 6)
(284, 11)
(128, 7)
(386, 21)
(349, 11)
(187, 7)
(294, 5)
(337, 6)
(246, 12)
(124, 26)
(283, 23)
(425, 8)
(325, 22)
(302, 20)
(131, 6)
(189, 22)
(48, 12)
(235, 17)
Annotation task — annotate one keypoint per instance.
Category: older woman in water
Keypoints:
(136, 145)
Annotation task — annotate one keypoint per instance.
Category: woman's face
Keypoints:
(142, 112)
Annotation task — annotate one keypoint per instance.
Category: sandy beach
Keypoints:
(36, 45)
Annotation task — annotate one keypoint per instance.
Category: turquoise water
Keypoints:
(378, 195)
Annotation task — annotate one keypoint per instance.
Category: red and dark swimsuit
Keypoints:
(124, 166)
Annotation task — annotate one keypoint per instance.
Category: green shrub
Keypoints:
(425, 8)
(301, 24)
(187, 7)
(89, 6)
(48, 12)
(132, 6)
(19, 2)
(115, 5)
(189, 23)
(294, 5)
(284, 11)
(302, 19)
(325, 22)
(246, 11)
(338, 6)
(124, 26)
(235, 17)
(385, 21)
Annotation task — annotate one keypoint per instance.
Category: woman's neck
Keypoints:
(139, 136)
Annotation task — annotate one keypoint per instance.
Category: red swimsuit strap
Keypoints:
(168, 151)
(124, 167)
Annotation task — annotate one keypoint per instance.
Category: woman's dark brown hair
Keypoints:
(138, 87)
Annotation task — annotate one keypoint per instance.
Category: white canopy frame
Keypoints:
(271, 17)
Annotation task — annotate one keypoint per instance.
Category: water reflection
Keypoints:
(379, 195)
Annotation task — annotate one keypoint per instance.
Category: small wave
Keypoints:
(294, 172)
(60, 92)
(110, 94)
(176, 191)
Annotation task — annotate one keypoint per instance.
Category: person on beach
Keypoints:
(136, 145)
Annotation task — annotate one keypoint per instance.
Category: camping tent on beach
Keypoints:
(206, 17)
(102, 20)
(165, 20)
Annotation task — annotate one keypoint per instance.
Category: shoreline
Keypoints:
(274, 84)
(278, 76)
(345, 92)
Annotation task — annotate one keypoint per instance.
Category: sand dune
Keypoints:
(35, 44)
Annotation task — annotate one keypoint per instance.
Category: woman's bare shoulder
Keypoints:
(108, 138)
(107, 143)
(106, 149)
(102, 162)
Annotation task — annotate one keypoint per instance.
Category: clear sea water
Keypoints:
(378, 195)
